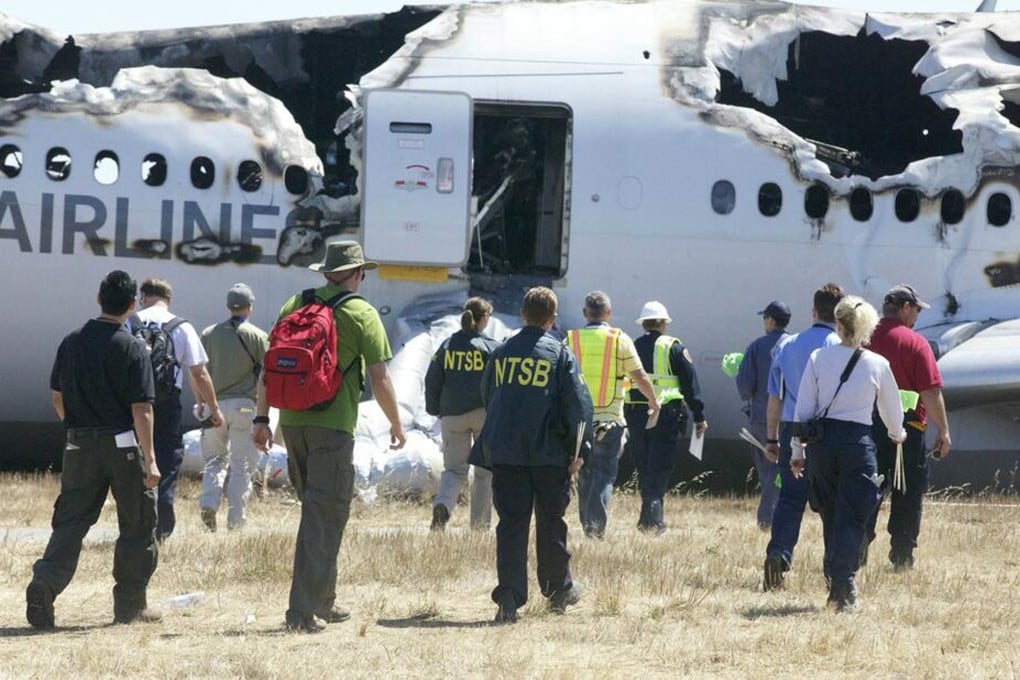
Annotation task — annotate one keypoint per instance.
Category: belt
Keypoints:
(93, 432)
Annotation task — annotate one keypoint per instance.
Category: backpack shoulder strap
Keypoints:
(307, 296)
(341, 298)
(171, 325)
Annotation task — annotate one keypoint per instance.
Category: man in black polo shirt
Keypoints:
(103, 392)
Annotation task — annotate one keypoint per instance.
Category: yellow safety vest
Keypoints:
(665, 384)
(595, 350)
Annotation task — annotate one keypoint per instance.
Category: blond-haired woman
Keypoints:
(453, 392)
(843, 385)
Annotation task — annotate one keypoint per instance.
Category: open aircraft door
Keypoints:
(415, 208)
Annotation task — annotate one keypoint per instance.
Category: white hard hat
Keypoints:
(654, 310)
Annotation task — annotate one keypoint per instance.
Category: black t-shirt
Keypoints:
(101, 370)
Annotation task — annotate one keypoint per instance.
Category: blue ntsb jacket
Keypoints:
(453, 381)
(534, 399)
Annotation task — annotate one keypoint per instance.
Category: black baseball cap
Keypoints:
(777, 309)
(901, 293)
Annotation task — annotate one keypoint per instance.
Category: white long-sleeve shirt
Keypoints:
(871, 383)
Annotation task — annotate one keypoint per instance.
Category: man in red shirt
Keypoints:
(913, 365)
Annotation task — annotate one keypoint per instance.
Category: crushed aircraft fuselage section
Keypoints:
(856, 95)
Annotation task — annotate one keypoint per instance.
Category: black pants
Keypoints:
(93, 466)
(516, 490)
(654, 451)
(904, 508)
(166, 440)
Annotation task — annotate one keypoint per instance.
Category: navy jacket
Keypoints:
(753, 374)
(534, 399)
(680, 364)
(454, 379)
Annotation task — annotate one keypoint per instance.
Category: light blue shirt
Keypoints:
(792, 356)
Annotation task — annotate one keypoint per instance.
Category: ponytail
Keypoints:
(475, 310)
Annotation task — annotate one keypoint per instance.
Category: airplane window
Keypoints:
(816, 201)
(908, 205)
(861, 205)
(154, 170)
(724, 197)
(952, 206)
(203, 173)
(106, 168)
(58, 164)
(295, 178)
(10, 160)
(1000, 209)
(249, 176)
(770, 199)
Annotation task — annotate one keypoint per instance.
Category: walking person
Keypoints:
(842, 385)
(674, 383)
(320, 440)
(784, 381)
(453, 392)
(187, 352)
(913, 365)
(606, 357)
(103, 391)
(752, 383)
(236, 348)
(535, 404)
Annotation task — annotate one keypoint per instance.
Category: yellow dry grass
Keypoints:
(686, 604)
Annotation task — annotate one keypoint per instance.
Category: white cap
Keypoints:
(654, 310)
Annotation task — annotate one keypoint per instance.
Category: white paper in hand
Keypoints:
(697, 443)
(653, 419)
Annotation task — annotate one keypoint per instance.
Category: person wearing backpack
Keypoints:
(236, 348)
(182, 346)
(318, 428)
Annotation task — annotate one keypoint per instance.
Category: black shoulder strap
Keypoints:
(172, 324)
(844, 376)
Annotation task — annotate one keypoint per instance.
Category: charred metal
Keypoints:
(856, 98)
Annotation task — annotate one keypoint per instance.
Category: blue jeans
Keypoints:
(841, 473)
(595, 481)
(767, 473)
(169, 450)
(790, 509)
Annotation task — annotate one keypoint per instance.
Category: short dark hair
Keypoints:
(780, 321)
(539, 307)
(117, 292)
(826, 299)
(160, 288)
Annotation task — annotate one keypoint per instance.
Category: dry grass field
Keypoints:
(688, 604)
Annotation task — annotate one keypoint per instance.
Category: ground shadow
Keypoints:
(420, 621)
(29, 631)
(780, 610)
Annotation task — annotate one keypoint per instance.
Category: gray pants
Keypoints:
(230, 446)
(320, 464)
(458, 436)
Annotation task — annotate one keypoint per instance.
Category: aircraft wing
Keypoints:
(983, 368)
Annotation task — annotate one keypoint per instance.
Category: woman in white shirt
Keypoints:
(844, 487)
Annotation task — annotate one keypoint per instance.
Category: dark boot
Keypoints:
(507, 608)
(843, 596)
(39, 606)
(440, 516)
(775, 574)
(643, 523)
(658, 524)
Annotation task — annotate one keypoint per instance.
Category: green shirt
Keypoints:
(360, 334)
(230, 366)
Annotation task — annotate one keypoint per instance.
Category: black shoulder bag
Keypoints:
(812, 431)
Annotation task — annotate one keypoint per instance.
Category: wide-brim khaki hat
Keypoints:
(341, 256)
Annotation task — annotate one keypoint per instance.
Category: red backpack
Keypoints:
(301, 370)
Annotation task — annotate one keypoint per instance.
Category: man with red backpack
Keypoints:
(319, 428)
